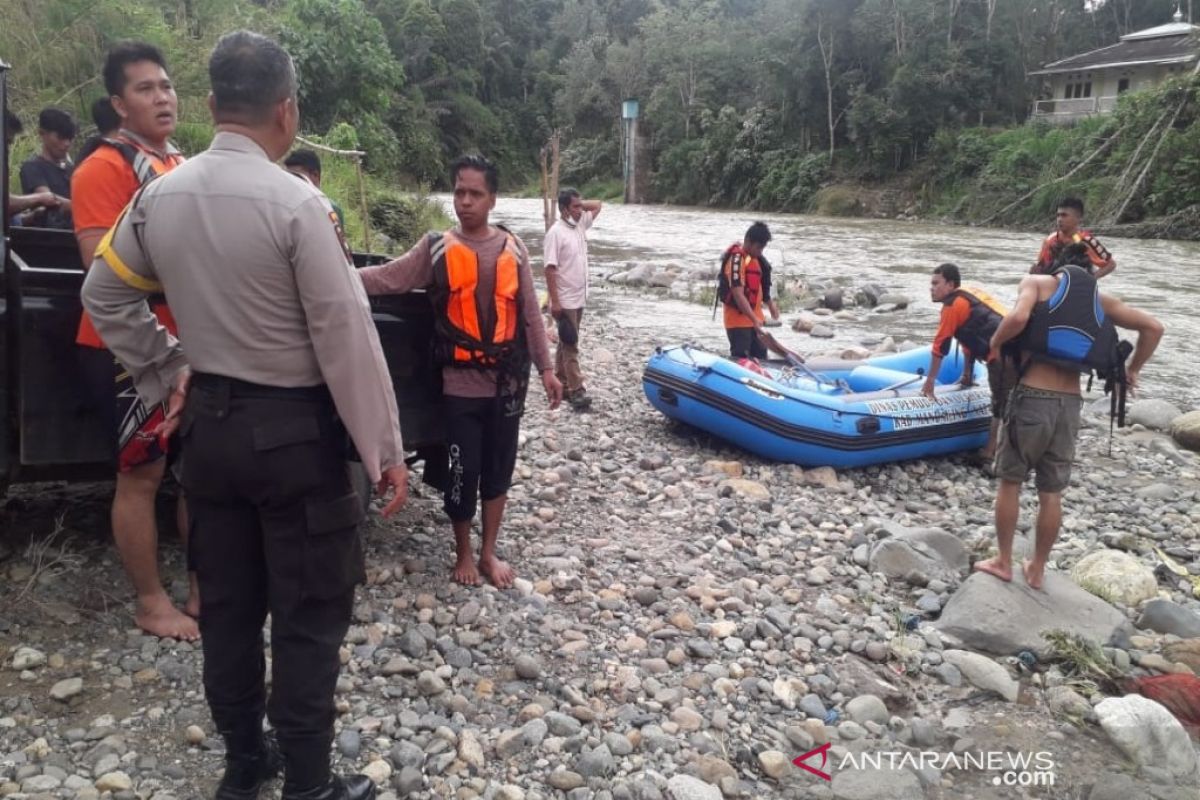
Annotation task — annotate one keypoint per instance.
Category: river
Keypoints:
(1162, 277)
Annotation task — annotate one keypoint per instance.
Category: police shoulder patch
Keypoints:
(341, 235)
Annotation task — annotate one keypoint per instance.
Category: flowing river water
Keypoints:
(1162, 277)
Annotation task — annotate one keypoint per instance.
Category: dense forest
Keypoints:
(757, 103)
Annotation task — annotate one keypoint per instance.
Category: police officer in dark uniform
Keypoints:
(282, 361)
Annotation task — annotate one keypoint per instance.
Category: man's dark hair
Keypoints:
(55, 120)
(759, 233)
(250, 74)
(105, 116)
(1072, 202)
(122, 55)
(12, 124)
(491, 175)
(949, 272)
(1074, 254)
(304, 159)
(565, 196)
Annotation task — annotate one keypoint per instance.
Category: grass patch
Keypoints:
(837, 201)
(1082, 661)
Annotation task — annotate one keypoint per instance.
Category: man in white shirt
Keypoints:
(565, 257)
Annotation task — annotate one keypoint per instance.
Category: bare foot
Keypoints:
(1034, 576)
(192, 606)
(158, 617)
(994, 566)
(465, 572)
(498, 572)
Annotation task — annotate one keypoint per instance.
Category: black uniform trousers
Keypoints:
(274, 521)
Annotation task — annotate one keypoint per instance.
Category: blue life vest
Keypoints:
(1070, 330)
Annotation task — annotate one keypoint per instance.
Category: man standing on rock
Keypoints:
(740, 289)
(1042, 419)
(565, 257)
(488, 330)
(282, 360)
(1069, 216)
(970, 317)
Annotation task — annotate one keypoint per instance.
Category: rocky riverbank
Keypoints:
(688, 620)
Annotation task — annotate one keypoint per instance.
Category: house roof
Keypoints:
(1175, 43)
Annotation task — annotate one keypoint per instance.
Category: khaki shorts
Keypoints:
(1002, 377)
(1040, 428)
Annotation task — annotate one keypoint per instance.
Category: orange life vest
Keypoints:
(474, 329)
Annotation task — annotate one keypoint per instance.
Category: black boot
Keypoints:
(247, 770)
(354, 787)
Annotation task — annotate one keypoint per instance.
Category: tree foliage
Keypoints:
(745, 102)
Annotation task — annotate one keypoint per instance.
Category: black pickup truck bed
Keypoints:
(47, 430)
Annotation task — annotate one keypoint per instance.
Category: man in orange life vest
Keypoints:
(489, 328)
(1069, 216)
(969, 316)
(740, 289)
(135, 77)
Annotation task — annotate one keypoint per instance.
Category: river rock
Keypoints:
(899, 301)
(804, 323)
(1186, 430)
(28, 658)
(876, 784)
(1004, 618)
(774, 763)
(637, 276)
(983, 673)
(927, 552)
(1154, 414)
(1116, 576)
(868, 708)
(64, 690)
(1164, 616)
(114, 782)
(869, 295)
(822, 331)
(834, 300)
(685, 787)
(1148, 734)
(748, 489)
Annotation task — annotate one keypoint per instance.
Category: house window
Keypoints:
(1087, 89)
(1123, 85)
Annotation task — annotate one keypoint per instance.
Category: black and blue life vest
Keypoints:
(1071, 331)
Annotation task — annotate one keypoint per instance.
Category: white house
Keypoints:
(1089, 83)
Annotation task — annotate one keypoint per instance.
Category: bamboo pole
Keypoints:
(366, 214)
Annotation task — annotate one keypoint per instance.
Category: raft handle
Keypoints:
(668, 396)
(867, 425)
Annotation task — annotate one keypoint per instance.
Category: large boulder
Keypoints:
(869, 295)
(1116, 576)
(1149, 735)
(1154, 414)
(834, 300)
(1186, 430)
(1005, 618)
(920, 555)
(1164, 616)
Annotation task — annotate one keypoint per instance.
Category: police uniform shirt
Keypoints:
(260, 280)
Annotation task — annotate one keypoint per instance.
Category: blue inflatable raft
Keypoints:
(824, 412)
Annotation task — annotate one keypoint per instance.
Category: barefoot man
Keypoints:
(488, 331)
(1059, 337)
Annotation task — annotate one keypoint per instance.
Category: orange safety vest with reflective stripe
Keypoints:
(475, 329)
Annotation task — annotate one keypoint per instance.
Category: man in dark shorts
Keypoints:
(1042, 419)
(740, 289)
(970, 317)
(489, 329)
